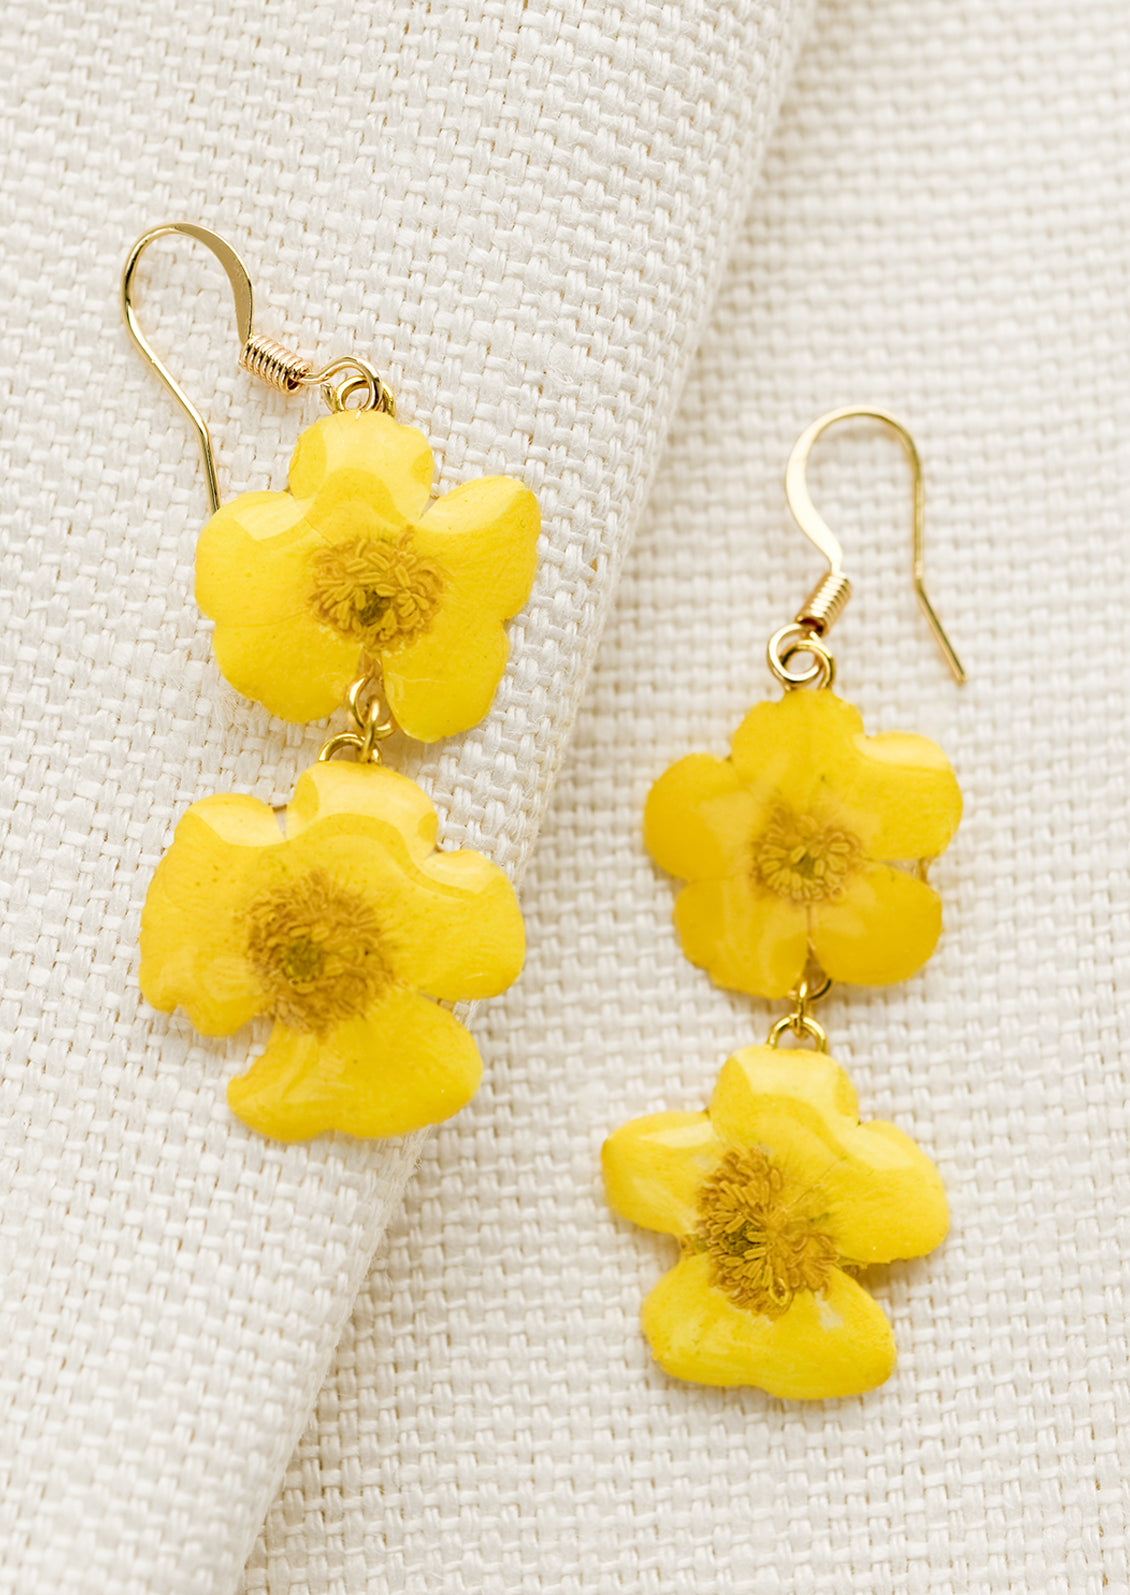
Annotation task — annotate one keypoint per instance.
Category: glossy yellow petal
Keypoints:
(897, 1210)
(364, 791)
(485, 536)
(800, 751)
(299, 671)
(808, 753)
(450, 921)
(746, 940)
(364, 455)
(868, 1185)
(255, 583)
(833, 1342)
(907, 790)
(699, 819)
(230, 552)
(654, 1168)
(193, 925)
(406, 1064)
(884, 930)
(445, 681)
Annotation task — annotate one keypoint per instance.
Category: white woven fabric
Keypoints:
(521, 212)
(945, 229)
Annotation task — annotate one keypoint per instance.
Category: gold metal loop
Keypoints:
(271, 362)
(827, 600)
(373, 719)
(806, 1026)
(365, 378)
(800, 1021)
(348, 739)
(782, 649)
(804, 994)
(369, 707)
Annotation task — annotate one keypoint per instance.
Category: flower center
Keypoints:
(762, 1252)
(804, 858)
(318, 951)
(378, 590)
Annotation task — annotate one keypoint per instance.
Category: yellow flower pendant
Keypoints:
(791, 846)
(778, 1196)
(350, 572)
(342, 929)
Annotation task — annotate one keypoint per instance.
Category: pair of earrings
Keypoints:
(805, 855)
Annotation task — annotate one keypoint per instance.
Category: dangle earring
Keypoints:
(346, 926)
(805, 854)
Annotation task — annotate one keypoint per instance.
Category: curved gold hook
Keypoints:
(241, 291)
(816, 529)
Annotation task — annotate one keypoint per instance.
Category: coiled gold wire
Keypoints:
(273, 363)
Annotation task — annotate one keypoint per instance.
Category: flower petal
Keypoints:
(699, 819)
(405, 1064)
(299, 670)
(485, 535)
(745, 939)
(393, 462)
(445, 681)
(364, 791)
(833, 1342)
(255, 583)
(868, 1185)
(884, 929)
(451, 919)
(906, 788)
(798, 751)
(654, 1168)
(808, 752)
(193, 925)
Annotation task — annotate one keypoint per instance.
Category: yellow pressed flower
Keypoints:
(778, 1195)
(336, 930)
(789, 846)
(350, 571)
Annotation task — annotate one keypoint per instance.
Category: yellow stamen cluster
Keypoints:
(762, 1251)
(376, 589)
(805, 858)
(317, 950)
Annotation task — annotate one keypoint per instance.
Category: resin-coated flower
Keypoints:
(350, 570)
(786, 845)
(777, 1195)
(334, 930)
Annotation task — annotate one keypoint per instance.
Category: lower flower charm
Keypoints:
(336, 930)
(778, 1195)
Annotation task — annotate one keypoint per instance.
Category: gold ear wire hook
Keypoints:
(826, 602)
(271, 362)
(241, 291)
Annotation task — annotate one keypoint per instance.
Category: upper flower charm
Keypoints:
(349, 571)
(775, 1194)
(334, 931)
(786, 845)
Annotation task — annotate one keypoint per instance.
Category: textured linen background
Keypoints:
(521, 211)
(943, 227)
